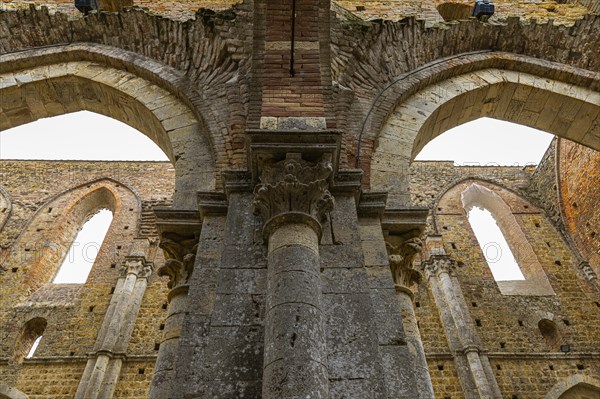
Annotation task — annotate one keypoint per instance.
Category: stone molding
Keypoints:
(372, 203)
(293, 187)
(212, 203)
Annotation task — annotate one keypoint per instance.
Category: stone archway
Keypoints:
(564, 109)
(38, 84)
(7, 392)
(575, 387)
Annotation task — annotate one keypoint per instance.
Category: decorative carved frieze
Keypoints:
(401, 262)
(180, 254)
(438, 264)
(294, 185)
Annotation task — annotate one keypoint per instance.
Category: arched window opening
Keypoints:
(492, 242)
(80, 257)
(550, 332)
(505, 246)
(30, 338)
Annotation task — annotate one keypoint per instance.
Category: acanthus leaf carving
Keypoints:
(180, 254)
(138, 267)
(401, 262)
(294, 185)
(438, 264)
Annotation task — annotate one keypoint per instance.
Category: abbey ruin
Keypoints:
(292, 247)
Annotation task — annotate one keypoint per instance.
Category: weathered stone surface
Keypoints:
(316, 306)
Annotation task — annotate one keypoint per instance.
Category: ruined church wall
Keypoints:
(75, 312)
(523, 364)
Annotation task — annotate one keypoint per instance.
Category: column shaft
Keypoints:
(415, 344)
(164, 372)
(295, 354)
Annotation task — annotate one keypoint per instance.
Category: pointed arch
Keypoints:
(502, 204)
(571, 383)
(38, 252)
(155, 99)
(5, 207)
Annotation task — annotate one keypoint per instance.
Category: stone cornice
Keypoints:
(372, 203)
(268, 146)
(211, 203)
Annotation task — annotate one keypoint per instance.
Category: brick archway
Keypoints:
(566, 110)
(39, 84)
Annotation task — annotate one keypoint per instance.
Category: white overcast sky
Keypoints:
(88, 136)
(488, 141)
(82, 135)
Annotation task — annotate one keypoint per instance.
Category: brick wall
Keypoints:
(579, 195)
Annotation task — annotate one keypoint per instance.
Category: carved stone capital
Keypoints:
(293, 186)
(438, 264)
(401, 262)
(180, 254)
(138, 267)
(587, 270)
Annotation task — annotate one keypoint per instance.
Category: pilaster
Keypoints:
(104, 364)
(403, 246)
(179, 233)
(476, 378)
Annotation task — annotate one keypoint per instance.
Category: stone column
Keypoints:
(293, 198)
(104, 367)
(401, 262)
(180, 252)
(449, 296)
